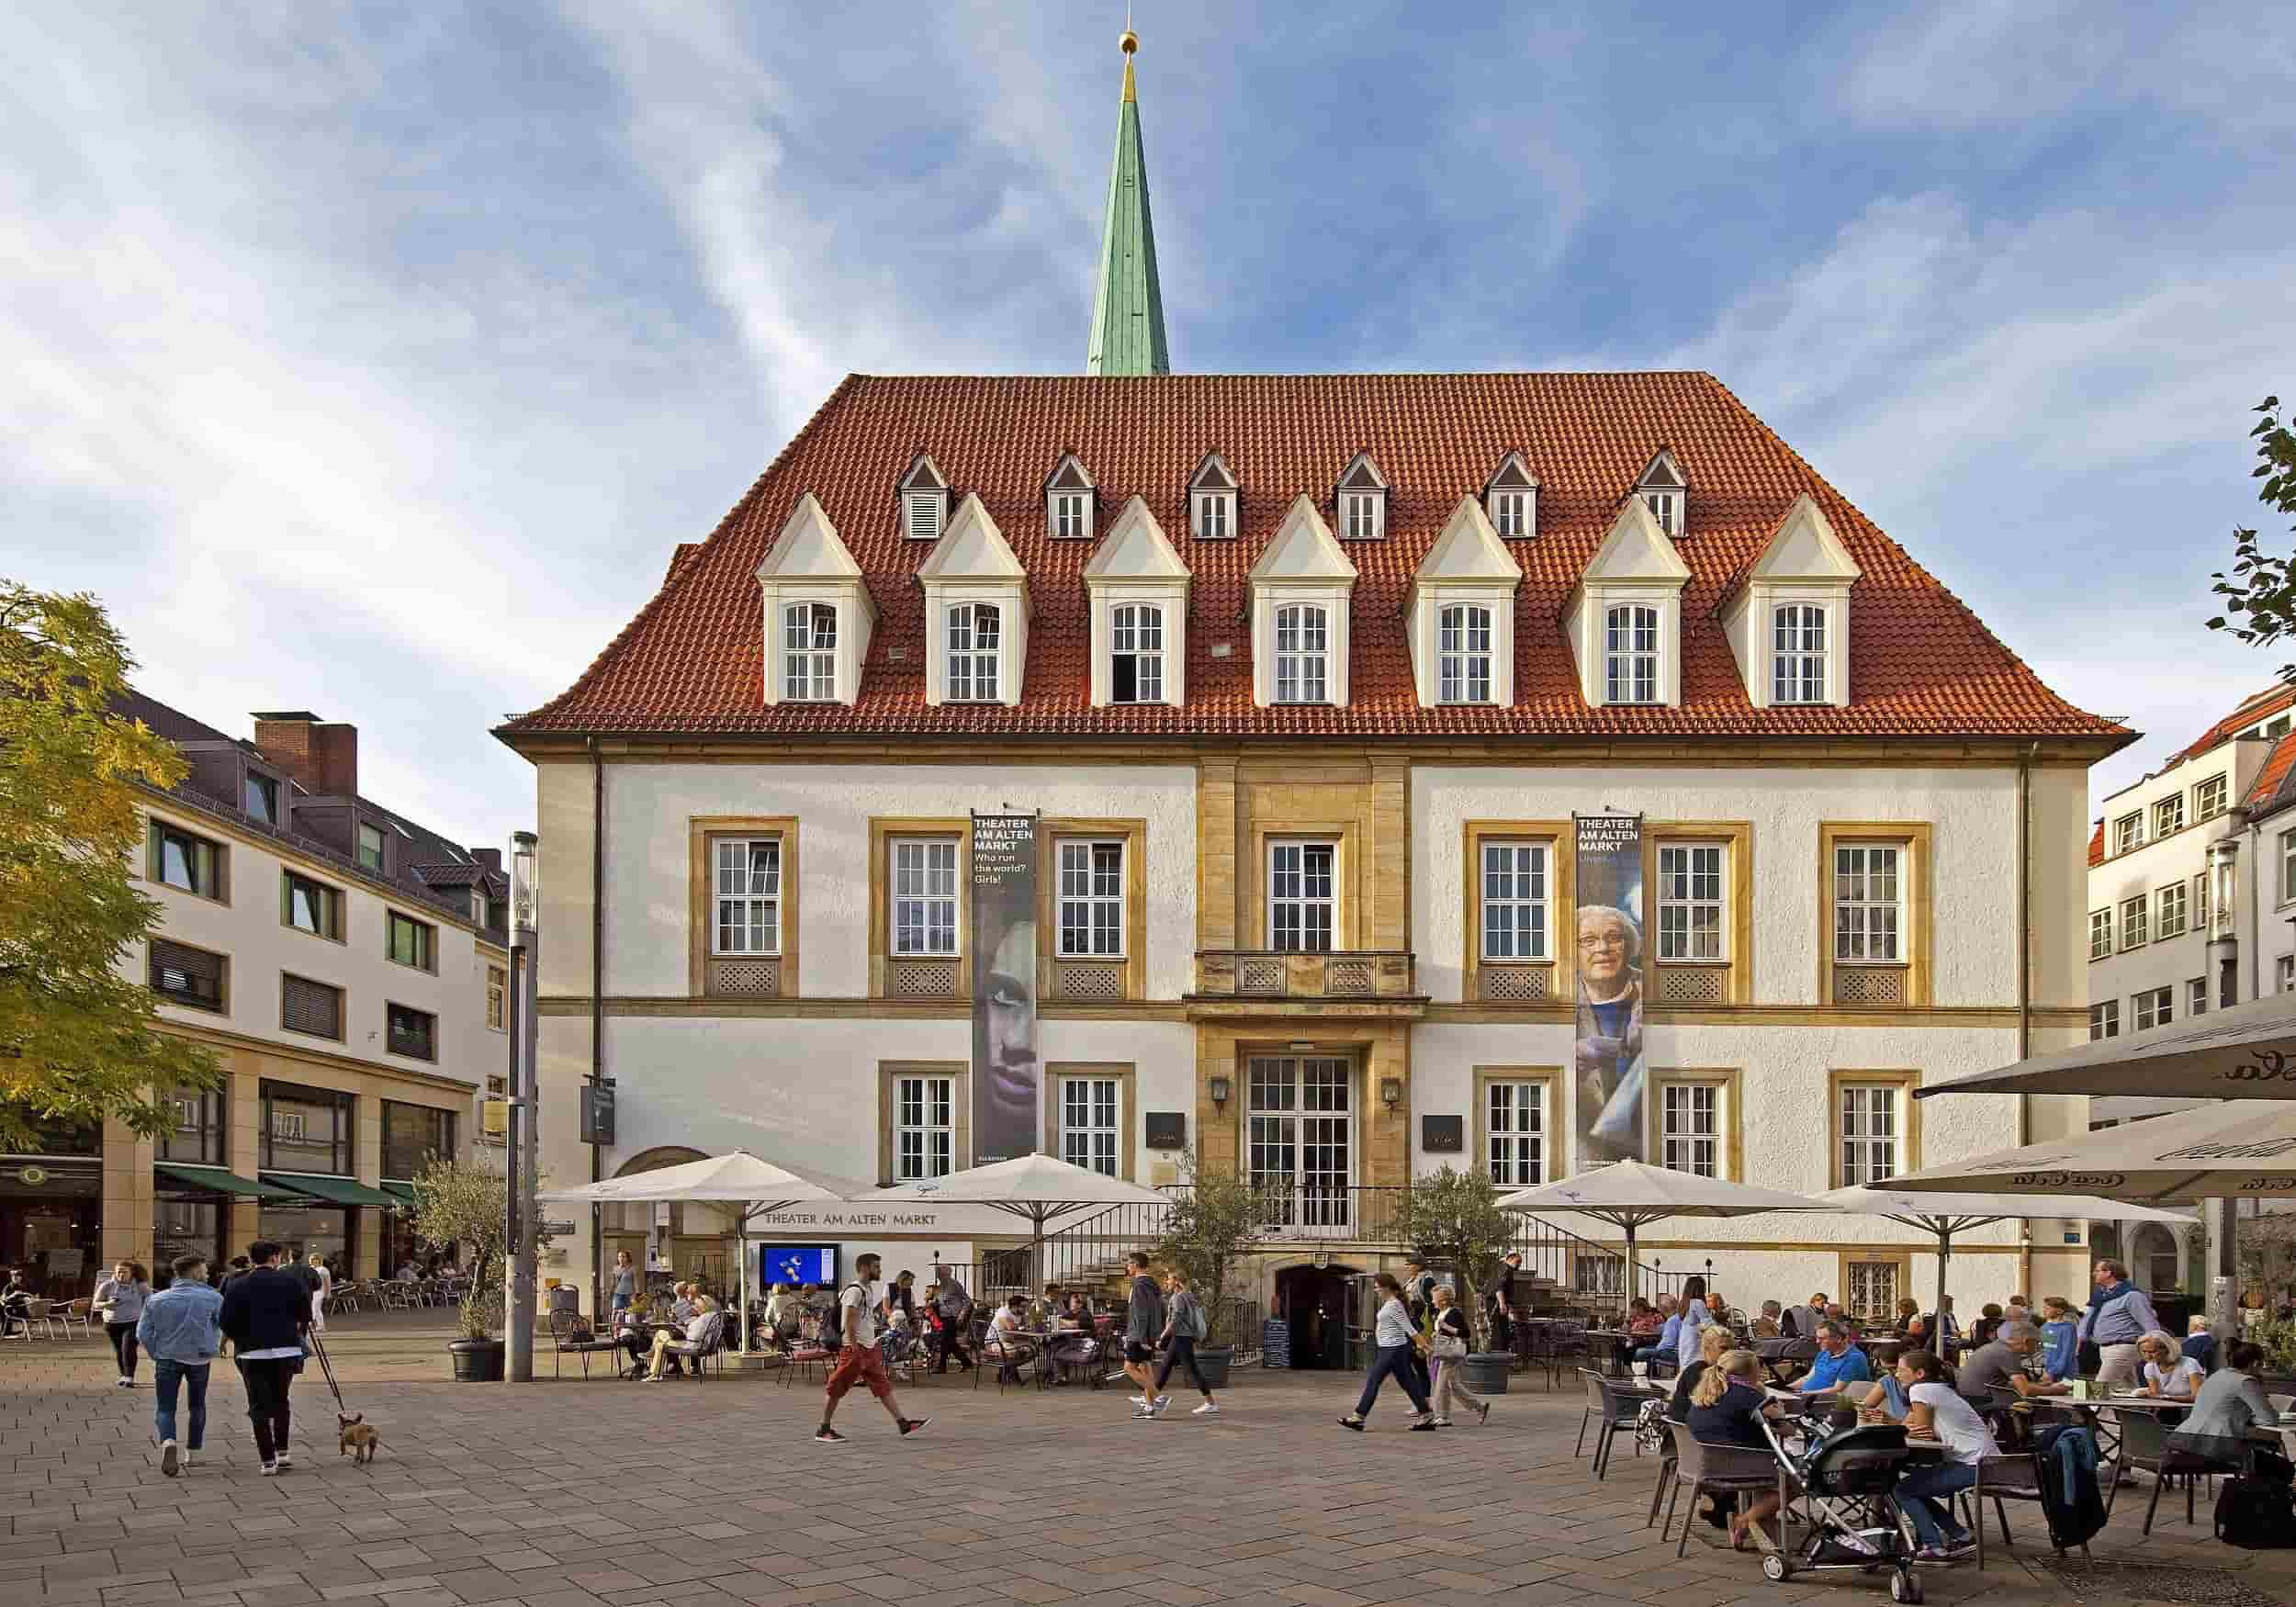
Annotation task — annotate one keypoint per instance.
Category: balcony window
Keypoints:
(1301, 897)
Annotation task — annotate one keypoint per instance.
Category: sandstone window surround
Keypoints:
(818, 615)
(742, 906)
(1138, 588)
(974, 584)
(1300, 590)
(1877, 908)
(1092, 1116)
(1876, 1125)
(1459, 614)
(1516, 885)
(919, 919)
(1788, 620)
(1090, 870)
(1520, 1124)
(1694, 1121)
(924, 1120)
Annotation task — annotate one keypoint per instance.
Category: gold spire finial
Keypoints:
(1127, 42)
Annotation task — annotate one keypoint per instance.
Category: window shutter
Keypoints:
(311, 1007)
(186, 976)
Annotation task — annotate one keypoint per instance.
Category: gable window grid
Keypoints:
(1868, 1133)
(1511, 514)
(1666, 507)
(2168, 912)
(2128, 833)
(2151, 1007)
(974, 632)
(2196, 996)
(1215, 515)
(2100, 933)
(1072, 514)
(411, 1032)
(2133, 923)
(924, 1127)
(1690, 1128)
(1360, 515)
(1690, 902)
(1302, 902)
(1091, 1120)
(1136, 653)
(1091, 900)
(183, 860)
(1302, 654)
(2208, 799)
(1514, 901)
(311, 907)
(411, 942)
(2168, 814)
(1630, 653)
(1798, 642)
(1868, 907)
(2104, 1020)
(809, 653)
(924, 896)
(747, 909)
(1463, 653)
(1514, 1133)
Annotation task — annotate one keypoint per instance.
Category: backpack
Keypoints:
(2255, 1514)
(1199, 1323)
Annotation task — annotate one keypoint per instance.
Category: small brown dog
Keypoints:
(358, 1440)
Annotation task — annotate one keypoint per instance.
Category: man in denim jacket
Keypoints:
(180, 1330)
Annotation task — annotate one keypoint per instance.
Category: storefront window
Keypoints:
(306, 1129)
(185, 1225)
(198, 1138)
(300, 1229)
(412, 1135)
(50, 1137)
(51, 1223)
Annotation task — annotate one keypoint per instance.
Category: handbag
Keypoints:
(1445, 1347)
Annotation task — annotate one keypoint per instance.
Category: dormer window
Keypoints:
(1463, 653)
(1303, 654)
(1138, 589)
(1511, 500)
(1301, 589)
(1212, 514)
(1663, 491)
(1788, 619)
(1511, 514)
(809, 653)
(1362, 500)
(1630, 653)
(924, 491)
(1799, 645)
(1136, 653)
(1626, 615)
(1068, 501)
(975, 631)
(1666, 507)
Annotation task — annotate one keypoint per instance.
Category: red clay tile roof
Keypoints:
(1921, 664)
(2096, 845)
(2258, 707)
(2270, 792)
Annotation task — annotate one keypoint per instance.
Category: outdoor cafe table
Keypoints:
(1616, 1343)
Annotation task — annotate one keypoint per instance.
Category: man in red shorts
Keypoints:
(858, 1358)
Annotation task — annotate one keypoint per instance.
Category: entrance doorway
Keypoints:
(1313, 1300)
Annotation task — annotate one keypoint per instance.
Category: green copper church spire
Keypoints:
(1128, 308)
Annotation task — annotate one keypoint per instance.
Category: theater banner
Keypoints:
(1005, 1116)
(1609, 1074)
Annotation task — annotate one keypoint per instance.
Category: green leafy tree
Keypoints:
(2261, 591)
(1209, 1231)
(1454, 1220)
(463, 1204)
(79, 1041)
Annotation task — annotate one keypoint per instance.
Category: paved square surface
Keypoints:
(567, 1494)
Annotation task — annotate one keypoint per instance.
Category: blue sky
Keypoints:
(371, 358)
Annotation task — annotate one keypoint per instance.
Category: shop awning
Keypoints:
(405, 1191)
(216, 1180)
(341, 1190)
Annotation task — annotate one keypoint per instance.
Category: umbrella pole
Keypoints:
(1630, 1260)
(741, 1277)
(1944, 1254)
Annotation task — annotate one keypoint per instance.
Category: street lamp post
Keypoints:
(519, 1180)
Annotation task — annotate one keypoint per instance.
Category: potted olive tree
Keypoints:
(2267, 1248)
(1211, 1230)
(464, 1204)
(1454, 1220)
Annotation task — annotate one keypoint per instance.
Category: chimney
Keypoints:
(490, 861)
(323, 759)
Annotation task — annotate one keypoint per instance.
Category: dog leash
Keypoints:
(327, 1368)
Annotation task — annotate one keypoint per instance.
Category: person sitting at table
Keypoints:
(1885, 1400)
(1839, 1364)
(636, 1336)
(1726, 1409)
(1999, 1364)
(1934, 1411)
(1941, 1329)
(2200, 1344)
(1989, 1319)
(669, 1347)
(2170, 1374)
(2230, 1403)
(1642, 1317)
(1771, 1324)
(1008, 1337)
(1908, 1317)
(1803, 1321)
(681, 1303)
(2060, 1339)
(1839, 1315)
(1071, 1338)
(1713, 1344)
(1661, 1351)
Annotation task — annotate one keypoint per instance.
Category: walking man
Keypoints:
(859, 1361)
(955, 1307)
(264, 1316)
(180, 1330)
(1144, 1320)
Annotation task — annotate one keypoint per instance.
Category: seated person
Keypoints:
(1803, 1321)
(1838, 1363)
(1071, 1340)
(1988, 1322)
(15, 1301)
(2170, 1374)
(2021, 1309)
(2001, 1364)
(2060, 1339)
(2230, 1401)
(1726, 1409)
(1883, 1402)
(1771, 1323)
(1662, 1349)
(1935, 1412)
(1839, 1315)
(1008, 1336)
(1642, 1319)
(1943, 1327)
(1714, 1342)
(1908, 1316)
(2200, 1344)
(667, 1346)
(681, 1303)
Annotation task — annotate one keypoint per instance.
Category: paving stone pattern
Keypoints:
(568, 1494)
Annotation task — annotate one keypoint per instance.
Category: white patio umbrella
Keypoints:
(2241, 1148)
(1037, 1188)
(738, 1177)
(1630, 1195)
(1948, 1214)
(2245, 1052)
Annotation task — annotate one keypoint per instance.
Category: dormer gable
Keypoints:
(1214, 499)
(922, 495)
(1511, 498)
(1665, 492)
(1138, 588)
(818, 614)
(1300, 590)
(1788, 617)
(1359, 501)
(977, 611)
(1070, 500)
(1459, 613)
(1625, 616)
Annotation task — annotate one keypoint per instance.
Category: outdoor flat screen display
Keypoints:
(796, 1264)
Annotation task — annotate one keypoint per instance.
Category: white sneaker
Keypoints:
(271, 1470)
(191, 1459)
(171, 1458)
(1163, 1401)
(127, 1383)
(1209, 1408)
(1139, 1400)
(285, 1462)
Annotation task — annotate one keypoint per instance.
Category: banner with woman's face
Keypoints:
(1005, 1089)
(1608, 1076)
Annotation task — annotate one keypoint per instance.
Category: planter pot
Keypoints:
(1214, 1360)
(477, 1360)
(1485, 1372)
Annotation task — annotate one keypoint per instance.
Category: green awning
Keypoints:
(341, 1190)
(218, 1181)
(405, 1191)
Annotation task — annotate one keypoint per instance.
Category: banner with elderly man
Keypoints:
(1609, 1072)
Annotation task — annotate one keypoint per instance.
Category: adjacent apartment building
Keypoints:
(348, 966)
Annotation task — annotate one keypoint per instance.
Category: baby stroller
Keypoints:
(1849, 1479)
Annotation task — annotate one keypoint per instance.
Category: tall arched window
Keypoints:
(1630, 653)
(1136, 653)
(1302, 654)
(1798, 638)
(974, 631)
(1463, 653)
(809, 653)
